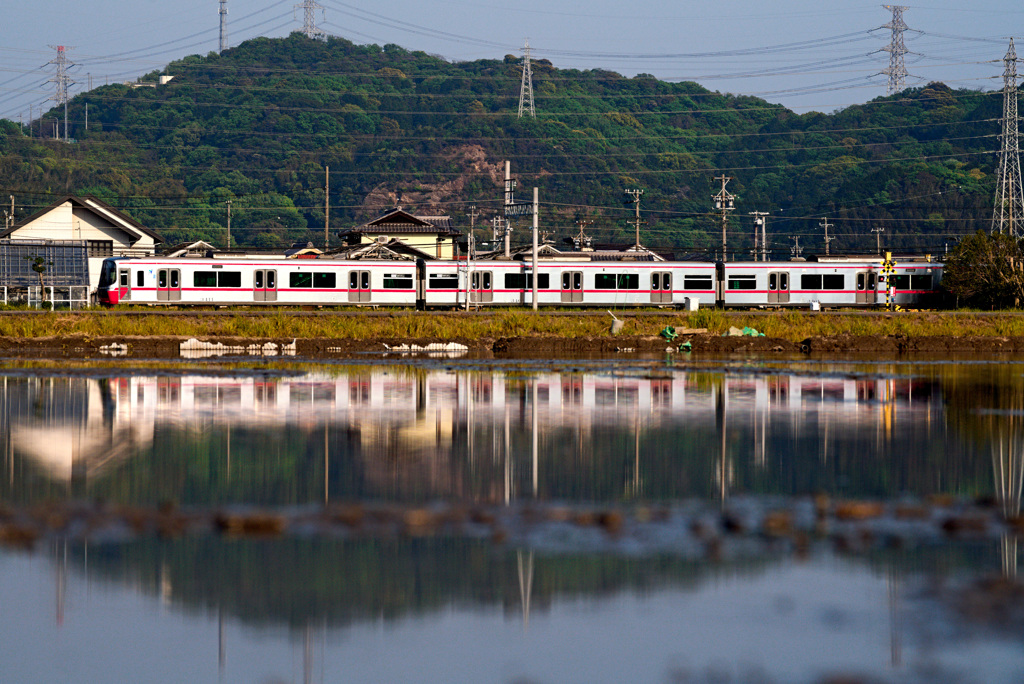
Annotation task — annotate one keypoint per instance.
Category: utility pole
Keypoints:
(760, 218)
(229, 223)
(826, 225)
(897, 70)
(62, 81)
(526, 87)
(536, 221)
(223, 26)
(724, 203)
(327, 207)
(878, 238)
(309, 27)
(635, 194)
(1009, 201)
(796, 250)
(86, 116)
(472, 218)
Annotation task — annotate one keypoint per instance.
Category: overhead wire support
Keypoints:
(309, 27)
(1009, 199)
(526, 87)
(635, 195)
(896, 48)
(724, 203)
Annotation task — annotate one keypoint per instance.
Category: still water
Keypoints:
(456, 609)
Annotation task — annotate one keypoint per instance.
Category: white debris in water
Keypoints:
(198, 349)
(445, 349)
(115, 349)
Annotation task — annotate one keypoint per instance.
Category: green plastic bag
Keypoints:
(669, 333)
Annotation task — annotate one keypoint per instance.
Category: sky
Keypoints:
(807, 55)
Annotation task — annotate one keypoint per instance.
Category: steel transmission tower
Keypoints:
(526, 88)
(62, 81)
(223, 26)
(1009, 194)
(897, 70)
(309, 27)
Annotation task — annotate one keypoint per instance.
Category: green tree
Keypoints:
(986, 270)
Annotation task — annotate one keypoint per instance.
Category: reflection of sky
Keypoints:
(794, 621)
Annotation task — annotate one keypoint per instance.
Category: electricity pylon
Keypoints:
(897, 70)
(1009, 195)
(526, 88)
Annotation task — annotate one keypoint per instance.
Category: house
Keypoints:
(106, 231)
(434, 235)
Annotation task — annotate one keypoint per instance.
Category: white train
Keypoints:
(268, 281)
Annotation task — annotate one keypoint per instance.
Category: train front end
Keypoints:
(108, 292)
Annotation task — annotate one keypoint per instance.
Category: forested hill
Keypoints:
(259, 124)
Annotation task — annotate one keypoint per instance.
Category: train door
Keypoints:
(124, 285)
(481, 287)
(264, 286)
(168, 285)
(778, 287)
(661, 287)
(358, 286)
(572, 286)
(866, 287)
(421, 285)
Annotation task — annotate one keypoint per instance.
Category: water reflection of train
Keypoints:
(66, 425)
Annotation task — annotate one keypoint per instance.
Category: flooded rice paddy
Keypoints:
(446, 520)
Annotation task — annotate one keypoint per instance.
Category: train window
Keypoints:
(353, 280)
(325, 281)
(444, 281)
(629, 281)
(174, 279)
(742, 282)
(828, 281)
(296, 280)
(398, 281)
(524, 281)
(140, 279)
(202, 279)
(698, 282)
(229, 279)
(899, 282)
(921, 282)
(566, 279)
(124, 278)
(364, 280)
(773, 281)
(833, 281)
(258, 280)
(270, 280)
(161, 280)
(604, 281)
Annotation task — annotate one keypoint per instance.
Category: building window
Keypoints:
(101, 248)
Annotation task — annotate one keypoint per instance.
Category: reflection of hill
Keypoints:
(297, 582)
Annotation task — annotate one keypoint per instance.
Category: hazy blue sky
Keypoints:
(807, 55)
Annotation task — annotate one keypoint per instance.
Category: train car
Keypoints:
(261, 281)
(579, 283)
(827, 282)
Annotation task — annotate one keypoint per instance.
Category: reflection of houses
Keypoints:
(79, 433)
(105, 230)
(434, 235)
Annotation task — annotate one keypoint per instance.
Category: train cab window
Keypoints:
(742, 282)
(698, 282)
(325, 281)
(398, 281)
